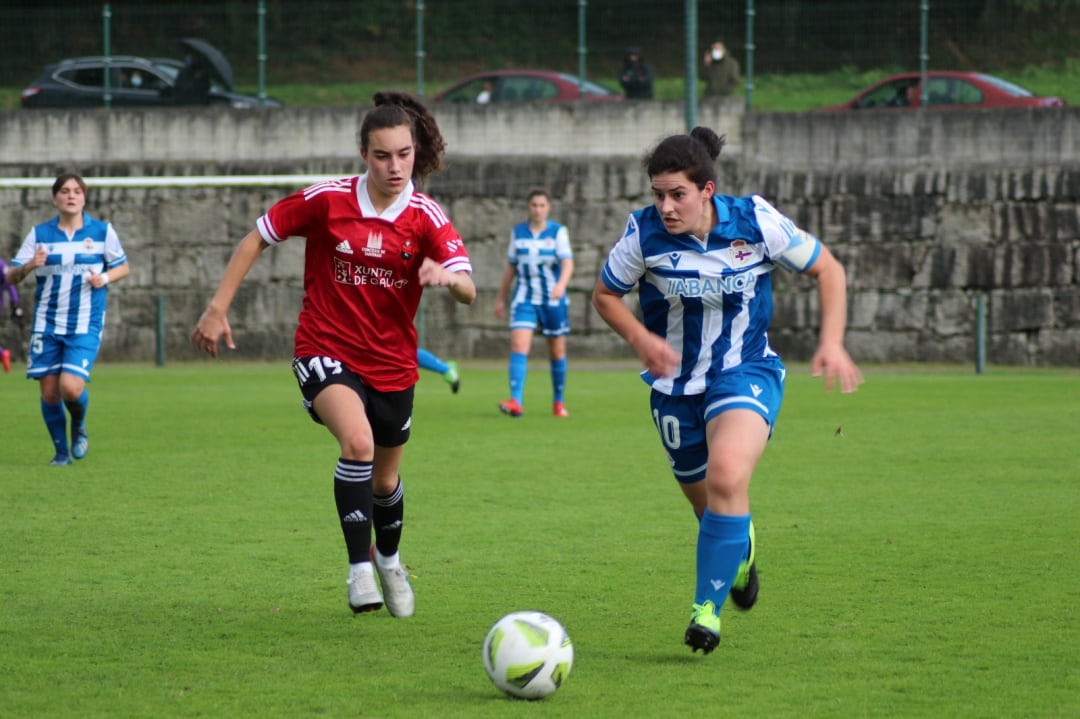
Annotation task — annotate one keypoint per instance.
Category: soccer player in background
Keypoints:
(701, 262)
(373, 243)
(541, 262)
(73, 257)
(8, 293)
(448, 370)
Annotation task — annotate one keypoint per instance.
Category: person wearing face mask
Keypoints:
(721, 71)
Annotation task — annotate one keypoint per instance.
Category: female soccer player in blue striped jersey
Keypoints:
(701, 262)
(73, 256)
(541, 262)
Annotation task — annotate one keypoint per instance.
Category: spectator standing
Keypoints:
(192, 83)
(721, 71)
(636, 76)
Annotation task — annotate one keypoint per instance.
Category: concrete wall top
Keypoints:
(886, 139)
(229, 138)
(317, 139)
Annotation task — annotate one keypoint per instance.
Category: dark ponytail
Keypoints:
(396, 109)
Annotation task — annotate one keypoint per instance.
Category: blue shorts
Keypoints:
(53, 354)
(681, 421)
(552, 320)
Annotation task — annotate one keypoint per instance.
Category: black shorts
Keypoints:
(388, 413)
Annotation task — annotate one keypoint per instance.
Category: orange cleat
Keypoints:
(559, 410)
(5, 357)
(511, 407)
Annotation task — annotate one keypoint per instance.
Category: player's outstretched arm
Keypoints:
(214, 325)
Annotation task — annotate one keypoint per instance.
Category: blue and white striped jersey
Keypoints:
(711, 300)
(65, 303)
(537, 259)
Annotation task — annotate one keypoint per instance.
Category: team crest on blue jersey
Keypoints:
(674, 257)
(741, 253)
(88, 244)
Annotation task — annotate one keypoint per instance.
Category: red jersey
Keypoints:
(361, 273)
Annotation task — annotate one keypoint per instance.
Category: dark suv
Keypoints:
(133, 82)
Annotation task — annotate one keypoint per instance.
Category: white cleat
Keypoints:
(400, 601)
(363, 594)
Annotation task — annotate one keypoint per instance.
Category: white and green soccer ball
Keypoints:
(528, 654)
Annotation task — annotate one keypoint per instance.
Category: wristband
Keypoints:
(104, 278)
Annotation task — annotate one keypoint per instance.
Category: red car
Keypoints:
(524, 85)
(945, 90)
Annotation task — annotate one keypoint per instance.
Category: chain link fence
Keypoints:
(425, 44)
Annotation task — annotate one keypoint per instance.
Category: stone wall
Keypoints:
(928, 212)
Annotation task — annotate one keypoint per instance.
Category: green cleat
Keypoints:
(452, 377)
(744, 590)
(704, 630)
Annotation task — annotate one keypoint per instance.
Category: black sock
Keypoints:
(388, 515)
(352, 493)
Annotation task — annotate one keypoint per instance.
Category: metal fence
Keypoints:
(430, 42)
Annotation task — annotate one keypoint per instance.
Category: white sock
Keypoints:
(361, 567)
(391, 562)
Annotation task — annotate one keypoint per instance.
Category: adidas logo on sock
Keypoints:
(354, 516)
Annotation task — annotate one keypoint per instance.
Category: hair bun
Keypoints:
(712, 142)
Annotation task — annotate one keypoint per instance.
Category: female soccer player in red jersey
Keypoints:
(373, 243)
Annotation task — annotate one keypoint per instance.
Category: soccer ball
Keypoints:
(528, 654)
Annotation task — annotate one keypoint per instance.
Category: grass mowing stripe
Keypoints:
(920, 563)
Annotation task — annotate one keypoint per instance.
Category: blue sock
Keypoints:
(56, 423)
(722, 545)
(519, 367)
(558, 379)
(429, 361)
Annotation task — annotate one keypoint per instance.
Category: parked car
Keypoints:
(945, 90)
(524, 85)
(133, 82)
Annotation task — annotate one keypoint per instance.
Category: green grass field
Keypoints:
(922, 563)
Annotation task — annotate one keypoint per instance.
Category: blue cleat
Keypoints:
(80, 444)
(61, 459)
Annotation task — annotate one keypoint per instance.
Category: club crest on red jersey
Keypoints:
(374, 246)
